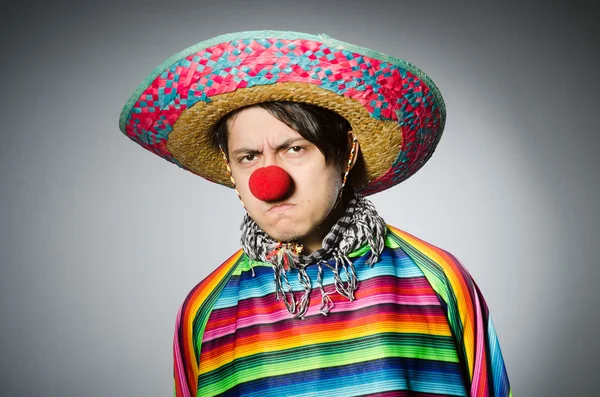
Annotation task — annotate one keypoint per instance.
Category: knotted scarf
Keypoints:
(360, 225)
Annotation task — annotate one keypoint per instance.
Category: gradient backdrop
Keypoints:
(100, 240)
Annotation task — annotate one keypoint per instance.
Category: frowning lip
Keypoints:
(279, 208)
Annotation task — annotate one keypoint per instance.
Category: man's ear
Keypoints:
(354, 148)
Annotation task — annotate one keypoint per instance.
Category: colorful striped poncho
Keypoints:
(419, 327)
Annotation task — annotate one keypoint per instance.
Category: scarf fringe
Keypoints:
(360, 224)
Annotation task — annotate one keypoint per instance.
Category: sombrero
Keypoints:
(395, 110)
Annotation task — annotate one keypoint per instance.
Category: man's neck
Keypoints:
(312, 243)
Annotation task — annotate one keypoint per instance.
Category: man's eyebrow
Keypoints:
(282, 145)
(288, 142)
(245, 151)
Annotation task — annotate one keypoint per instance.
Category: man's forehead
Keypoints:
(246, 127)
(257, 141)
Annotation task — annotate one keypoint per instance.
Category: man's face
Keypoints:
(256, 140)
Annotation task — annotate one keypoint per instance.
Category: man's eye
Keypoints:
(295, 149)
(247, 158)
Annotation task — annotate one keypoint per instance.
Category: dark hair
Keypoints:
(322, 127)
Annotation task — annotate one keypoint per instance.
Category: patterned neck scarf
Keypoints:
(360, 224)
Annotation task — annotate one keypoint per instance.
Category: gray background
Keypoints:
(101, 240)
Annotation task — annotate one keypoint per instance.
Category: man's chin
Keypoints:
(286, 234)
(287, 237)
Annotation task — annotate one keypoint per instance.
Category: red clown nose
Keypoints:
(269, 183)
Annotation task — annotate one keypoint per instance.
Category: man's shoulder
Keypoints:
(466, 309)
(441, 267)
(212, 283)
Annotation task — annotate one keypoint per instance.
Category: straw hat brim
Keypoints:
(395, 110)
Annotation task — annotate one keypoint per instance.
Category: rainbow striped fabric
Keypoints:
(419, 327)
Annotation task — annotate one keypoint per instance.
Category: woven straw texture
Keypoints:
(395, 110)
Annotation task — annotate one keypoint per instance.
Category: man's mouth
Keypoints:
(280, 208)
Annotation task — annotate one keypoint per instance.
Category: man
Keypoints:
(323, 298)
